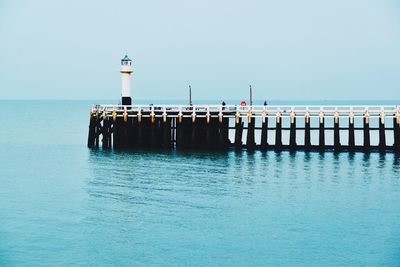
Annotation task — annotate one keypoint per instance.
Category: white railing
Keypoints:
(231, 111)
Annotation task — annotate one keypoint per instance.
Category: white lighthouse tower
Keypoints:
(126, 70)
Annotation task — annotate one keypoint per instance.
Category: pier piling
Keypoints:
(396, 131)
(166, 133)
(250, 133)
(321, 130)
(382, 136)
(264, 133)
(307, 132)
(238, 133)
(224, 133)
(155, 133)
(92, 131)
(336, 132)
(292, 136)
(106, 132)
(278, 132)
(117, 133)
(351, 132)
(367, 139)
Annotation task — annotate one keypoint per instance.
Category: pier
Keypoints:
(218, 127)
(221, 127)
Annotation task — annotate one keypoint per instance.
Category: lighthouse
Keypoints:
(126, 70)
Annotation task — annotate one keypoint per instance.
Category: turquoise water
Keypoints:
(62, 204)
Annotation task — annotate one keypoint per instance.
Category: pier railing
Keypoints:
(243, 111)
(211, 126)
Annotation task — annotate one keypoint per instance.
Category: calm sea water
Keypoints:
(62, 204)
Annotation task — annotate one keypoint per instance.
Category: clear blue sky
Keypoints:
(289, 49)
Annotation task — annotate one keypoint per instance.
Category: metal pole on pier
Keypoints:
(190, 96)
(251, 96)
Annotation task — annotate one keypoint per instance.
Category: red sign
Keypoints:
(243, 103)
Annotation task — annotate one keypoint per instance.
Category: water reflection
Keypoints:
(145, 177)
(396, 163)
(238, 193)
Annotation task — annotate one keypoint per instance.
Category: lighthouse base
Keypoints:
(126, 100)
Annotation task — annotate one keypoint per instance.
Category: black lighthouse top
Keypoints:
(126, 61)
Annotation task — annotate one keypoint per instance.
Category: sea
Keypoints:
(62, 204)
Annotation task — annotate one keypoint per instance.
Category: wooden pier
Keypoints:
(220, 127)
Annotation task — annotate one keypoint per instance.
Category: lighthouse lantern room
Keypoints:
(126, 70)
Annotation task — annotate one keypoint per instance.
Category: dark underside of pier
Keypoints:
(147, 131)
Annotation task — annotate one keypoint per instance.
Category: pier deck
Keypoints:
(223, 126)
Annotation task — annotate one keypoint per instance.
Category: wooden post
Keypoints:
(307, 132)
(264, 133)
(92, 131)
(351, 132)
(166, 133)
(367, 139)
(215, 133)
(181, 132)
(224, 133)
(140, 131)
(222, 129)
(321, 130)
(208, 141)
(396, 132)
(221, 140)
(292, 138)
(278, 132)
(193, 134)
(117, 133)
(174, 132)
(97, 131)
(336, 132)
(201, 129)
(111, 128)
(131, 133)
(382, 137)
(105, 132)
(155, 133)
(125, 134)
(238, 132)
(250, 143)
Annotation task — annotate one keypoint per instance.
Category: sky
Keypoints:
(287, 49)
